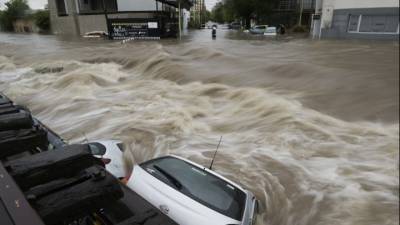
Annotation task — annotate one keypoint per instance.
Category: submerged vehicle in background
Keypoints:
(191, 194)
(235, 26)
(111, 153)
(258, 29)
(96, 34)
(271, 31)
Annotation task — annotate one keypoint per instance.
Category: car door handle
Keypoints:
(164, 209)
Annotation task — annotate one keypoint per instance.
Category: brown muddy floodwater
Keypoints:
(311, 127)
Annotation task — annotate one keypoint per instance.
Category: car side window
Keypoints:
(121, 147)
(97, 149)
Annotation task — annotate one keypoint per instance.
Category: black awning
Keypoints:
(184, 3)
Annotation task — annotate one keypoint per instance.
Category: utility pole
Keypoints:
(180, 25)
(301, 12)
(201, 12)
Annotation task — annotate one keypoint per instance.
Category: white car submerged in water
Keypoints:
(191, 194)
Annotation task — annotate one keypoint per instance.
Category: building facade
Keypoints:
(197, 13)
(119, 18)
(366, 19)
(287, 12)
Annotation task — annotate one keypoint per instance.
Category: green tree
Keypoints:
(263, 9)
(207, 16)
(15, 9)
(245, 10)
(217, 13)
(42, 20)
(222, 12)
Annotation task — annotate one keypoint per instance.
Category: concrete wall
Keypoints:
(357, 4)
(88, 23)
(340, 22)
(329, 6)
(75, 24)
(63, 24)
(137, 5)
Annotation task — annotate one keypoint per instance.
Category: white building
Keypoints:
(371, 19)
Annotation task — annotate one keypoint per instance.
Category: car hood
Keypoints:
(174, 204)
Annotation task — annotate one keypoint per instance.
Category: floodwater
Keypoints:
(311, 127)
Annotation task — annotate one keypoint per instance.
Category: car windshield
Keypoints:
(199, 185)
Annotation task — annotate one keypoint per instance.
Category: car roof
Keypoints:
(210, 171)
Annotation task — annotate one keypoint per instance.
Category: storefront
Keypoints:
(146, 19)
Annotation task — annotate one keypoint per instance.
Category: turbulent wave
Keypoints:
(307, 167)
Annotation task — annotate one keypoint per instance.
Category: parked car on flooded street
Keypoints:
(258, 29)
(270, 31)
(191, 194)
(235, 26)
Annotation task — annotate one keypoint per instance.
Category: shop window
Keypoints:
(373, 24)
(111, 5)
(61, 8)
(353, 23)
(392, 24)
(96, 6)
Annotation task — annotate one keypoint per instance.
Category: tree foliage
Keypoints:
(245, 10)
(42, 20)
(15, 9)
(221, 13)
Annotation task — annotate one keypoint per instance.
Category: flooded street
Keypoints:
(311, 127)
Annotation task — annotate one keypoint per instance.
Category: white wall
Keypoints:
(328, 6)
(327, 12)
(137, 5)
(353, 4)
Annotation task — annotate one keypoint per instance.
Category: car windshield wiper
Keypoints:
(171, 178)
